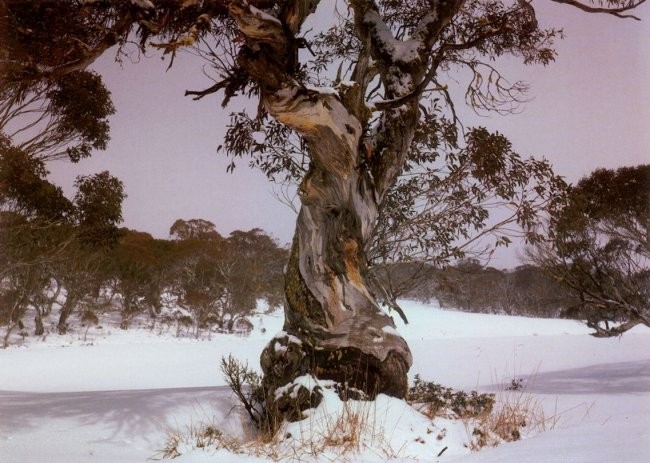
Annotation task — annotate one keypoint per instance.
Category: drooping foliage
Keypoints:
(599, 246)
(48, 44)
(24, 189)
(59, 117)
(46, 239)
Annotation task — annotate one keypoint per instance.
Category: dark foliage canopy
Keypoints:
(599, 246)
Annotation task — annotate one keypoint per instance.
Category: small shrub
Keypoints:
(89, 317)
(247, 386)
(439, 400)
(198, 437)
(516, 384)
(516, 413)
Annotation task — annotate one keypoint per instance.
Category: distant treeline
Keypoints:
(197, 279)
(471, 287)
(200, 280)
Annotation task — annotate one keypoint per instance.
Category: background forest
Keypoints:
(66, 263)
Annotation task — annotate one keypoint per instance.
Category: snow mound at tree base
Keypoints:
(336, 430)
(381, 429)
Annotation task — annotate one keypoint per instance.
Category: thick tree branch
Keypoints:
(111, 37)
(320, 118)
(600, 332)
(270, 51)
(406, 68)
(618, 12)
(295, 12)
(417, 92)
(234, 82)
(332, 132)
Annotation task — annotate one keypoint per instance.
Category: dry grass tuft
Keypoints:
(516, 414)
(198, 436)
(334, 435)
(348, 429)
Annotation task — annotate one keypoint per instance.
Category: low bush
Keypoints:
(246, 384)
(433, 399)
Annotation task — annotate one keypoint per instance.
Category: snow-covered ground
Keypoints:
(114, 396)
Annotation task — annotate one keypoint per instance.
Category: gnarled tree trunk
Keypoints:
(344, 335)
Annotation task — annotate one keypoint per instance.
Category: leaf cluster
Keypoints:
(442, 207)
(271, 147)
(66, 116)
(82, 104)
(506, 28)
(24, 189)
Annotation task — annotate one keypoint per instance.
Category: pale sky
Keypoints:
(589, 109)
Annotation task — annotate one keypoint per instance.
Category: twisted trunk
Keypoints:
(345, 335)
(334, 328)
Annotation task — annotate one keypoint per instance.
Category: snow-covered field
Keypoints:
(114, 396)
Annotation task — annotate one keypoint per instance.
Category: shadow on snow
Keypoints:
(602, 378)
(125, 413)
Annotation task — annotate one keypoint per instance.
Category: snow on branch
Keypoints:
(258, 25)
(387, 46)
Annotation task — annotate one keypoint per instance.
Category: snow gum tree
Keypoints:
(598, 246)
(347, 138)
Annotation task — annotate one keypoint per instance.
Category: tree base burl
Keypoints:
(358, 375)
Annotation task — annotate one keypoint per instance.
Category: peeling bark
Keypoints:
(344, 334)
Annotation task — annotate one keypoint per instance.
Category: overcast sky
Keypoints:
(589, 109)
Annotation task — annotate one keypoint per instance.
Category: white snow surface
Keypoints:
(112, 396)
